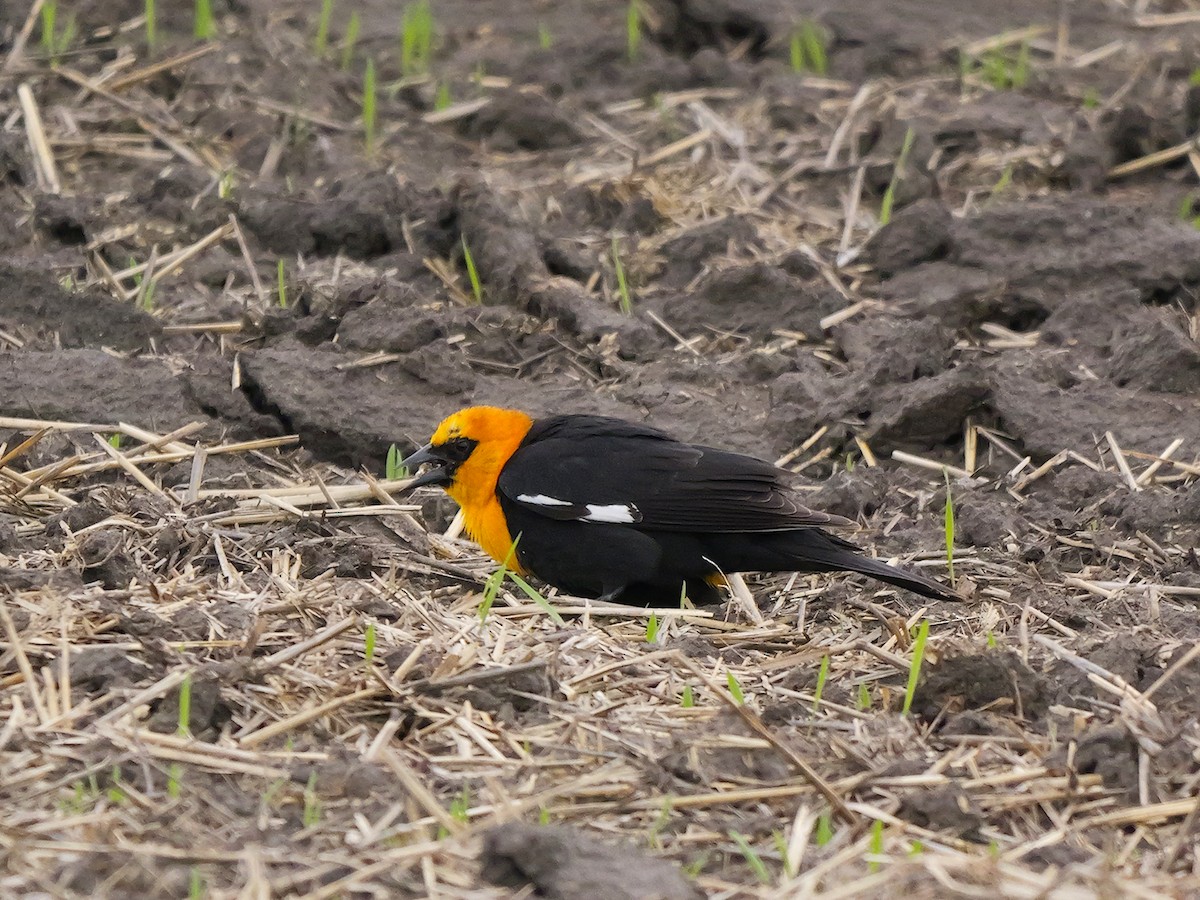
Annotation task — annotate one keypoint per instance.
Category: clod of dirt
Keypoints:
(1085, 163)
(75, 518)
(346, 414)
(1111, 753)
(1132, 133)
(752, 299)
(97, 670)
(390, 326)
(917, 233)
(945, 809)
(982, 520)
(1045, 417)
(207, 384)
(521, 120)
(689, 26)
(619, 206)
(1154, 511)
(91, 386)
(106, 559)
(564, 863)
(361, 217)
(1153, 352)
(507, 257)
(696, 763)
(995, 680)
(12, 579)
(928, 411)
(206, 714)
(854, 495)
(888, 350)
(36, 307)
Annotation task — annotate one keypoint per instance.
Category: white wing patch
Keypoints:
(542, 500)
(616, 513)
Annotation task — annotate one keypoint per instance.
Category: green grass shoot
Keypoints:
(185, 708)
(114, 440)
(695, 866)
(394, 469)
(442, 99)
(875, 848)
(652, 629)
(196, 887)
(661, 821)
(545, 38)
(533, 594)
(369, 637)
(1091, 98)
(174, 780)
(991, 640)
(688, 698)
(321, 41)
(472, 273)
(350, 41)
(416, 38)
(999, 68)
(151, 24)
(1194, 78)
(781, 847)
(368, 107)
(757, 866)
(116, 795)
(55, 42)
(889, 196)
(281, 283)
(916, 848)
(543, 816)
(460, 806)
(312, 803)
(1188, 212)
(822, 677)
(807, 50)
(735, 688)
(633, 30)
(204, 26)
(823, 831)
(622, 282)
(948, 527)
(491, 587)
(1004, 182)
(49, 19)
(914, 669)
(1019, 76)
(864, 696)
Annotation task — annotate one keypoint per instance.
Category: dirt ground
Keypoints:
(920, 253)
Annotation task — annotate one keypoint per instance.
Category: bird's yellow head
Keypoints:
(468, 450)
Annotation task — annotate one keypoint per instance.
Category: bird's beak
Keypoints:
(437, 474)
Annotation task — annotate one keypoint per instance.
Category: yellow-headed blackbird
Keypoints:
(600, 507)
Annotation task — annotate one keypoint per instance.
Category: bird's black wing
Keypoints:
(597, 469)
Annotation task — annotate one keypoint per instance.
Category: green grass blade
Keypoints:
(914, 669)
(757, 866)
(472, 273)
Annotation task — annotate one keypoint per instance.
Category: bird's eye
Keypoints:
(457, 450)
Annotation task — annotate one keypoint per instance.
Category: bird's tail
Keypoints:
(918, 584)
(815, 550)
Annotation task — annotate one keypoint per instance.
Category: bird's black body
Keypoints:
(607, 508)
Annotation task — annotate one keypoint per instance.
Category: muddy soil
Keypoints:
(222, 239)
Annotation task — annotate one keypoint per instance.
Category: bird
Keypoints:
(607, 509)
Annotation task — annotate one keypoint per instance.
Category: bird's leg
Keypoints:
(610, 595)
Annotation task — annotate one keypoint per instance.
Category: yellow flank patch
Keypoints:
(487, 527)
